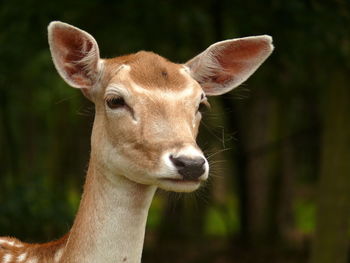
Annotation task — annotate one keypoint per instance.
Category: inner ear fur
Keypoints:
(75, 54)
(226, 64)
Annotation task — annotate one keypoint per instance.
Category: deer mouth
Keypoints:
(182, 180)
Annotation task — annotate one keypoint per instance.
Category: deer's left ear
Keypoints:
(226, 64)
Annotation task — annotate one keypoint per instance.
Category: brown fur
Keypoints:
(42, 252)
(150, 70)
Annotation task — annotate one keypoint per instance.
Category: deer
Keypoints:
(147, 116)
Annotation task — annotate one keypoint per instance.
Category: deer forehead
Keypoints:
(150, 75)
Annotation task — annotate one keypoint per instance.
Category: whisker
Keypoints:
(211, 162)
(219, 151)
(67, 98)
(86, 111)
(216, 176)
(210, 130)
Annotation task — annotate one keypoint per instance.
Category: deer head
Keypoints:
(148, 109)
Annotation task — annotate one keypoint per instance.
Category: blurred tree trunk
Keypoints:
(332, 235)
(284, 225)
(11, 163)
(260, 165)
(285, 219)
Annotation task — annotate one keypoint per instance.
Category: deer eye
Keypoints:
(115, 102)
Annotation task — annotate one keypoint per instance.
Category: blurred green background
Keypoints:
(279, 145)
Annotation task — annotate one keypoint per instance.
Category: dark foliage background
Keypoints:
(279, 145)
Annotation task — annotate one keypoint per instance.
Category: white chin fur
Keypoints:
(183, 187)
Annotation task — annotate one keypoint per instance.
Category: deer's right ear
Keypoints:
(75, 54)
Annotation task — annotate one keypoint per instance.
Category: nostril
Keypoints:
(189, 168)
(178, 161)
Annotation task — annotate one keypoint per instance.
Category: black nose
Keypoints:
(189, 168)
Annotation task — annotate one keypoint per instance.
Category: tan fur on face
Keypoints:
(151, 71)
(163, 99)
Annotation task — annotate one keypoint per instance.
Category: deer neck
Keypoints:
(110, 223)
